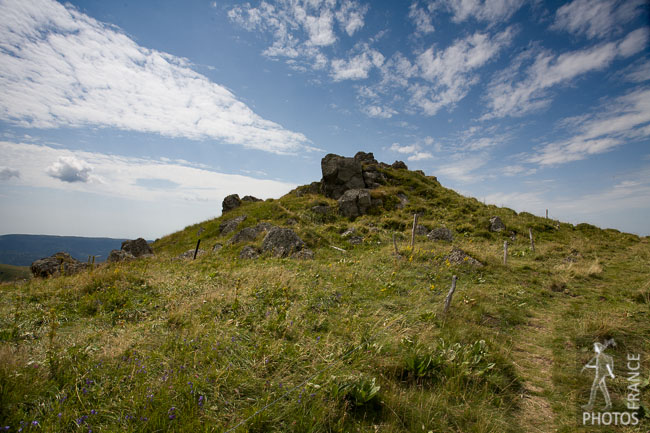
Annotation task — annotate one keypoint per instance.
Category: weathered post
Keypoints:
(546, 213)
(450, 294)
(196, 250)
(415, 223)
(532, 242)
(505, 252)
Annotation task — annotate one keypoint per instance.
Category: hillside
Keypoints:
(22, 250)
(11, 273)
(354, 339)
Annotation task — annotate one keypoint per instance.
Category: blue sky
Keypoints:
(133, 119)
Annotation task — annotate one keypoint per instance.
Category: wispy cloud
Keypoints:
(421, 17)
(357, 66)
(596, 18)
(510, 96)
(60, 67)
(301, 28)
(627, 118)
(491, 11)
(449, 73)
(463, 167)
(148, 180)
(415, 151)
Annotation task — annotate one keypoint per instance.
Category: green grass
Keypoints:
(13, 273)
(352, 341)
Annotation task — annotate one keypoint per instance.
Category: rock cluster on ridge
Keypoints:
(56, 264)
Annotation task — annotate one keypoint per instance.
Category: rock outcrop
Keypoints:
(230, 202)
(250, 199)
(282, 242)
(138, 247)
(459, 257)
(56, 264)
(496, 225)
(421, 230)
(249, 252)
(399, 165)
(249, 234)
(189, 254)
(119, 256)
(341, 174)
(355, 202)
(441, 234)
(230, 225)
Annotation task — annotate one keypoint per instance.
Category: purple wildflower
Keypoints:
(200, 401)
(93, 412)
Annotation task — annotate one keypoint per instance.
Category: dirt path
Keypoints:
(533, 360)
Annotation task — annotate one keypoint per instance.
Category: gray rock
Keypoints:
(216, 247)
(399, 165)
(355, 240)
(441, 234)
(189, 254)
(250, 199)
(355, 202)
(496, 225)
(248, 252)
(339, 175)
(349, 232)
(119, 256)
(421, 230)
(366, 158)
(230, 225)
(230, 202)
(304, 254)
(282, 242)
(138, 247)
(56, 264)
(460, 257)
(291, 222)
(312, 188)
(250, 233)
(322, 209)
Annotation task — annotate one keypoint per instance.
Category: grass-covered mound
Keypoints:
(349, 341)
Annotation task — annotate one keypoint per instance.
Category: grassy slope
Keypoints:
(12, 273)
(168, 345)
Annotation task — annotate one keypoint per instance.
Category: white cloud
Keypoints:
(492, 11)
(508, 96)
(358, 66)
(462, 167)
(378, 111)
(639, 72)
(422, 20)
(7, 173)
(70, 169)
(450, 72)
(60, 67)
(596, 18)
(627, 118)
(301, 28)
(414, 151)
(149, 180)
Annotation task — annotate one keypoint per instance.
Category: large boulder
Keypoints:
(366, 158)
(248, 252)
(282, 242)
(119, 256)
(249, 234)
(441, 234)
(56, 264)
(496, 225)
(138, 247)
(355, 202)
(230, 225)
(250, 199)
(230, 202)
(339, 175)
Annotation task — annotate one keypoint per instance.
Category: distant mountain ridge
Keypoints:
(22, 250)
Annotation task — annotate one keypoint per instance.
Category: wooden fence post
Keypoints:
(546, 213)
(505, 252)
(450, 294)
(532, 242)
(415, 223)
(196, 250)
